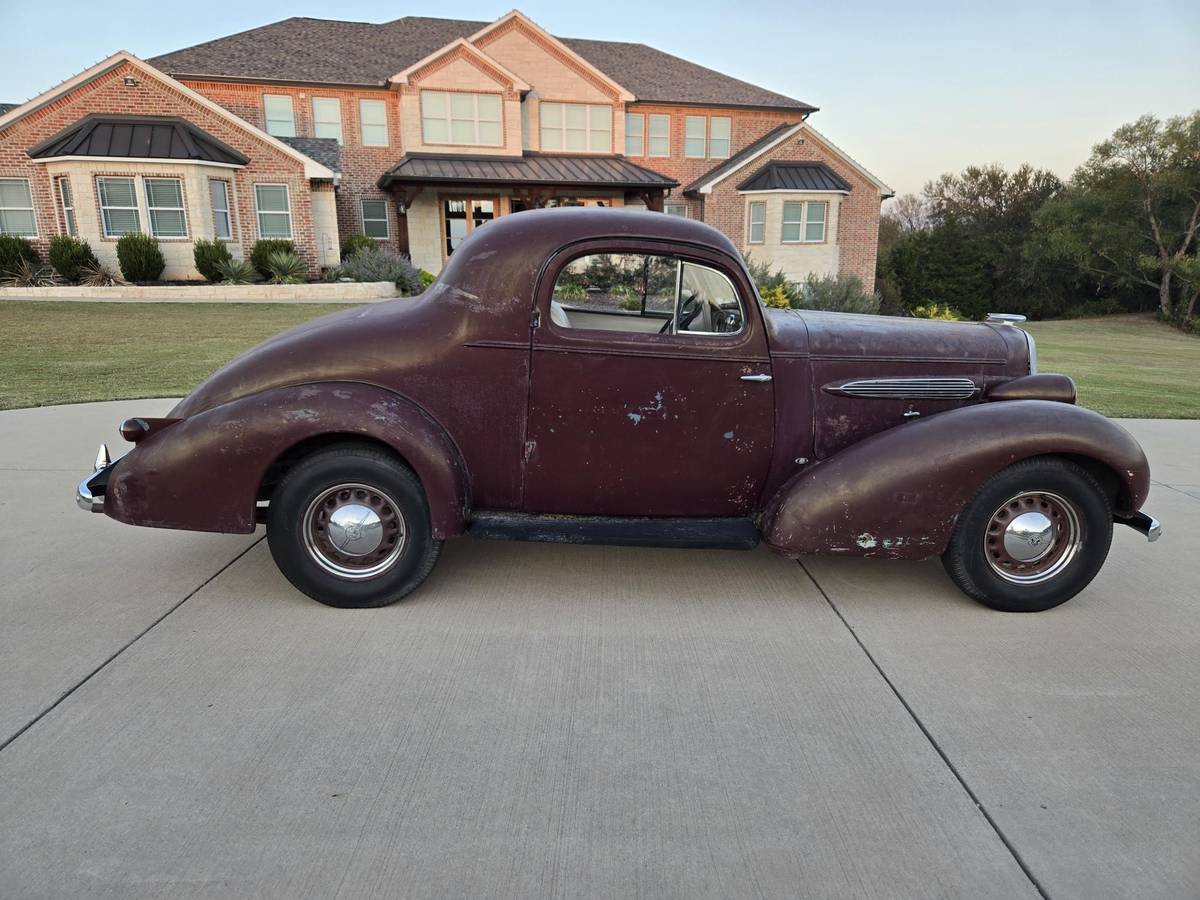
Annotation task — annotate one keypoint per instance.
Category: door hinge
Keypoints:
(536, 322)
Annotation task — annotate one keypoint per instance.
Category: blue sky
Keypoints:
(910, 89)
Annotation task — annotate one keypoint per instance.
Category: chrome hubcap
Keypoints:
(1032, 537)
(354, 531)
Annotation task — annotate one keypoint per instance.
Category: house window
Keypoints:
(804, 222)
(280, 120)
(463, 215)
(635, 134)
(118, 206)
(218, 192)
(327, 118)
(372, 117)
(68, 204)
(694, 136)
(576, 127)
(274, 210)
(660, 136)
(676, 209)
(453, 118)
(758, 223)
(164, 202)
(375, 219)
(16, 208)
(720, 129)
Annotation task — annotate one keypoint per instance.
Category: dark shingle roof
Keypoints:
(137, 137)
(740, 158)
(778, 175)
(326, 151)
(326, 51)
(530, 169)
(8, 107)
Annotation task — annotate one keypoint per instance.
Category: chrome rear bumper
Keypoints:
(89, 495)
(1139, 521)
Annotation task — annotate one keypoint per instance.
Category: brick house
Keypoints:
(415, 132)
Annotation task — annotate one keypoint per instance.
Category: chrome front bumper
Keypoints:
(90, 493)
(1139, 521)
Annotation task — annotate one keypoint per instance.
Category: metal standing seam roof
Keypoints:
(740, 158)
(531, 168)
(778, 175)
(138, 137)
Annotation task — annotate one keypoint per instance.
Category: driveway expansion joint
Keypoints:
(995, 826)
(67, 693)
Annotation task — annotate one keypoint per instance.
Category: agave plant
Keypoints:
(99, 275)
(235, 271)
(27, 274)
(285, 267)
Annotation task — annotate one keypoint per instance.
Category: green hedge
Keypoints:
(208, 256)
(69, 255)
(264, 248)
(13, 250)
(140, 257)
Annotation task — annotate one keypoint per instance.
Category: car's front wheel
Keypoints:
(349, 526)
(1032, 538)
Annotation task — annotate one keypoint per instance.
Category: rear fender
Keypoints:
(203, 473)
(898, 494)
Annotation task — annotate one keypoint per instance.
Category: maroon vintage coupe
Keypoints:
(594, 375)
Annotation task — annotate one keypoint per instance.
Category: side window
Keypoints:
(645, 293)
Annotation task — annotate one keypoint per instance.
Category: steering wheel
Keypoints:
(688, 310)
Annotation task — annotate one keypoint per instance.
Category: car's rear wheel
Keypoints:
(1033, 537)
(349, 526)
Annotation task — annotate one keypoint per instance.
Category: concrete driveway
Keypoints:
(543, 721)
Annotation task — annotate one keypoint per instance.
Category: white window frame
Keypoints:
(137, 207)
(228, 210)
(750, 223)
(667, 207)
(318, 121)
(362, 214)
(652, 119)
(640, 118)
(728, 139)
(364, 104)
(150, 210)
(450, 119)
(66, 204)
(30, 209)
(688, 138)
(267, 119)
(589, 129)
(259, 212)
(804, 222)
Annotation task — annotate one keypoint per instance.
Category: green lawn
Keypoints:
(73, 352)
(1130, 366)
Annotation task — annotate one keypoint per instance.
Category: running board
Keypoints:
(618, 531)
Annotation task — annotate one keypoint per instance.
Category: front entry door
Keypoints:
(650, 390)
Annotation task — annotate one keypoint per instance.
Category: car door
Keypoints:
(650, 390)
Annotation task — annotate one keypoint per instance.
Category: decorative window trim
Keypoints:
(362, 215)
(451, 119)
(365, 103)
(750, 223)
(229, 204)
(651, 137)
(803, 222)
(259, 212)
(102, 206)
(317, 121)
(66, 204)
(267, 119)
(150, 210)
(561, 128)
(31, 209)
(641, 135)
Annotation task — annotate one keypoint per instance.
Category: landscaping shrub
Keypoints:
(13, 250)
(934, 311)
(836, 293)
(356, 243)
(207, 255)
(69, 255)
(140, 257)
(235, 271)
(1091, 308)
(264, 248)
(97, 274)
(773, 287)
(285, 267)
(28, 274)
(381, 266)
(425, 279)
(776, 296)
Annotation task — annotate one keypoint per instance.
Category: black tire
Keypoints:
(978, 558)
(371, 479)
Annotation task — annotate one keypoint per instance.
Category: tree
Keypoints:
(1132, 212)
(909, 212)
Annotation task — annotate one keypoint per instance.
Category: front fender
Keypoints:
(897, 494)
(203, 472)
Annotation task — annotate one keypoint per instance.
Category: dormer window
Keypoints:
(576, 127)
(461, 118)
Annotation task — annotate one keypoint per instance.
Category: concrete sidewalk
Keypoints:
(582, 721)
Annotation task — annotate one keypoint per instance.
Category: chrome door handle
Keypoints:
(756, 378)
